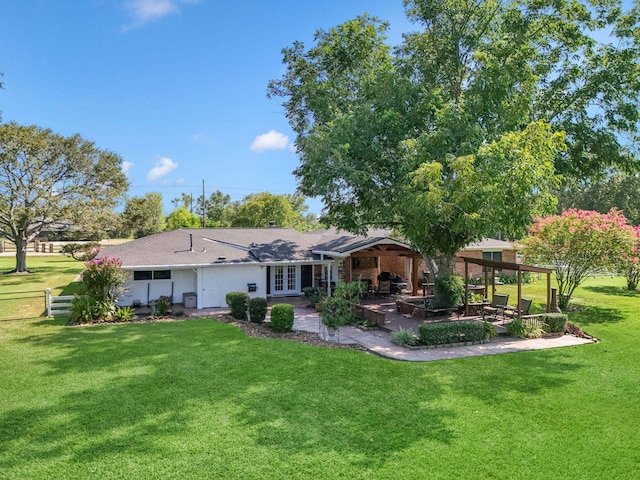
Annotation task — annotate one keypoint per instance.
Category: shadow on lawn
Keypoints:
(142, 389)
(612, 290)
(591, 314)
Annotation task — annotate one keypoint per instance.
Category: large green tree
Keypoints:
(144, 215)
(461, 130)
(46, 178)
(262, 209)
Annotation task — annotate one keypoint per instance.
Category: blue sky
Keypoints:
(176, 87)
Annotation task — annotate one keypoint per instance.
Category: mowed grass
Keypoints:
(199, 399)
(22, 295)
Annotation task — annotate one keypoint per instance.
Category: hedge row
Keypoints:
(451, 332)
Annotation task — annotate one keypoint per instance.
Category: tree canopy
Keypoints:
(262, 209)
(465, 127)
(144, 215)
(46, 179)
(182, 218)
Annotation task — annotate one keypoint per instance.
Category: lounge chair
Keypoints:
(384, 288)
(512, 312)
(497, 305)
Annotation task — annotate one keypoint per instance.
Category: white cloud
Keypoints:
(163, 167)
(143, 11)
(271, 140)
(126, 166)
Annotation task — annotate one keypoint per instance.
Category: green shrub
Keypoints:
(516, 328)
(282, 317)
(554, 322)
(338, 309)
(525, 328)
(257, 309)
(451, 332)
(122, 313)
(448, 292)
(403, 337)
(314, 294)
(82, 309)
(512, 278)
(490, 330)
(238, 303)
(162, 306)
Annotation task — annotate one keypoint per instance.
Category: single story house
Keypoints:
(202, 265)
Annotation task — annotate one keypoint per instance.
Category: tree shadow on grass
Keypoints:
(504, 377)
(142, 389)
(612, 290)
(594, 315)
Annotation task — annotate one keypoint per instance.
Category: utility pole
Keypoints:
(203, 223)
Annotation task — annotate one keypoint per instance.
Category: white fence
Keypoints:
(60, 305)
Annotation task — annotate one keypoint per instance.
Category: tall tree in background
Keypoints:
(46, 178)
(218, 209)
(182, 218)
(143, 216)
(618, 190)
(461, 130)
(262, 209)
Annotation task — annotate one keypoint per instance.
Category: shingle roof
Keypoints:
(206, 246)
(489, 243)
(209, 246)
(332, 240)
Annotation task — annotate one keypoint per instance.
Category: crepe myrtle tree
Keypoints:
(630, 265)
(46, 178)
(577, 244)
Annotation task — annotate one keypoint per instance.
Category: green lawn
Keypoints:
(22, 296)
(198, 399)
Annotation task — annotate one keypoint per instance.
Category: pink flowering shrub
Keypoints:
(631, 263)
(103, 279)
(579, 243)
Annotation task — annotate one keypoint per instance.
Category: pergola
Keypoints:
(493, 265)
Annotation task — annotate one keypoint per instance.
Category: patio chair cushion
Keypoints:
(498, 305)
(525, 305)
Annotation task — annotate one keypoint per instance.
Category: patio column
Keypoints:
(466, 288)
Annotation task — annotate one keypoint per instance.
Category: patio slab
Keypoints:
(378, 342)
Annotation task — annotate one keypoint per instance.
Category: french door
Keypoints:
(285, 279)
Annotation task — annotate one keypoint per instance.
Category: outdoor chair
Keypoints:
(512, 312)
(384, 288)
(498, 305)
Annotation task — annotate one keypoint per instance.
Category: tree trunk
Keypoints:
(21, 254)
(440, 266)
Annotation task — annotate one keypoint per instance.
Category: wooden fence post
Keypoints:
(47, 295)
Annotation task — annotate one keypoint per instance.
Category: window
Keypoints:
(162, 275)
(291, 278)
(278, 272)
(152, 275)
(493, 256)
(137, 275)
(364, 262)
